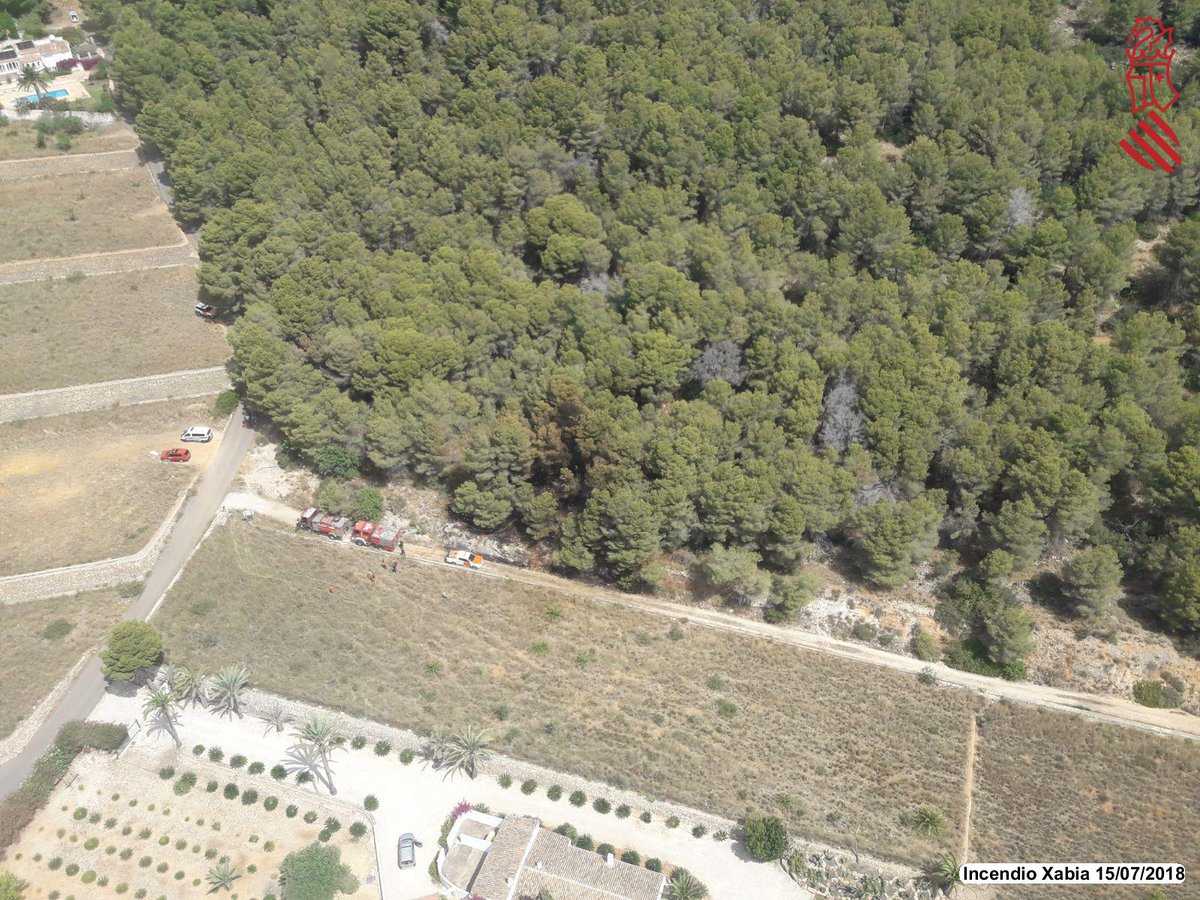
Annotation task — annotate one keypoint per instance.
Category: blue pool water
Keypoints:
(53, 95)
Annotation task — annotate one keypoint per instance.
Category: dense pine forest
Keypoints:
(735, 277)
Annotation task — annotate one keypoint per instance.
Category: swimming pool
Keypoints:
(59, 94)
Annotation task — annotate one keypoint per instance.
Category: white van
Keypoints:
(199, 433)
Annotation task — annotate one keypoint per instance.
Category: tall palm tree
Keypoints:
(190, 686)
(222, 876)
(35, 80)
(685, 886)
(276, 718)
(466, 751)
(226, 689)
(160, 703)
(322, 735)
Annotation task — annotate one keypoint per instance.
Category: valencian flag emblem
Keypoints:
(1149, 50)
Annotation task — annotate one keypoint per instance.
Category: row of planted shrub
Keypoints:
(602, 806)
(249, 796)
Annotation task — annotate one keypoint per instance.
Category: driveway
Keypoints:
(417, 799)
(89, 687)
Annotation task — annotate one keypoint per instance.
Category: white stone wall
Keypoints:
(106, 394)
(89, 576)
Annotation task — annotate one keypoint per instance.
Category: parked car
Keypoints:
(198, 433)
(176, 454)
(204, 311)
(406, 851)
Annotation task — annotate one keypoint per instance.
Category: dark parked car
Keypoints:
(406, 852)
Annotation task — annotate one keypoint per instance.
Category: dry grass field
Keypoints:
(1050, 787)
(724, 723)
(67, 215)
(76, 330)
(18, 140)
(43, 640)
(136, 831)
(89, 486)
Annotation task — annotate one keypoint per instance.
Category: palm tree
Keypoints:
(222, 876)
(227, 686)
(685, 886)
(321, 735)
(35, 80)
(191, 686)
(160, 703)
(942, 873)
(276, 718)
(466, 750)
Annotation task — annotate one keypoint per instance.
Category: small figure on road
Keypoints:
(402, 548)
(395, 564)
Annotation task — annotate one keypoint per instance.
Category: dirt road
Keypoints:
(1114, 710)
(87, 689)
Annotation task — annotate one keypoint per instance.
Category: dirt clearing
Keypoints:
(723, 723)
(43, 640)
(77, 330)
(72, 214)
(89, 486)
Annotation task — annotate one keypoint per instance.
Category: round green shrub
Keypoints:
(672, 822)
(567, 830)
(255, 768)
(72, 870)
(371, 803)
(310, 817)
(585, 842)
(291, 811)
(632, 857)
(212, 785)
(578, 798)
(528, 786)
(407, 756)
(166, 773)
(88, 877)
(505, 780)
(766, 837)
(126, 853)
(554, 791)
(237, 760)
(653, 864)
(605, 849)
(358, 829)
(304, 777)
(646, 817)
(144, 833)
(121, 888)
(249, 796)
(278, 772)
(216, 754)
(55, 863)
(110, 823)
(358, 742)
(601, 806)
(198, 750)
(161, 867)
(91, 843)
(270, 803)
(382, 748)
(210, 853)
(699, 831)
(231, 791)
(181, 844)
(163, 841)
(80, 814)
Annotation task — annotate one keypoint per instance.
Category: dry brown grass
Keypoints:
(841, 750)
(18, 140)
(89, 486)
(66, 215)
(33, 662)
(82, 330)
(1051, 787)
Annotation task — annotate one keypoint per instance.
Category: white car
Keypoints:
(198, 433)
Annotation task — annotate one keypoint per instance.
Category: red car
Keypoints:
(176, 454)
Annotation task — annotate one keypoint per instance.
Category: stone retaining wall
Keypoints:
(106, 394)
(89, 576)
(88, 118)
